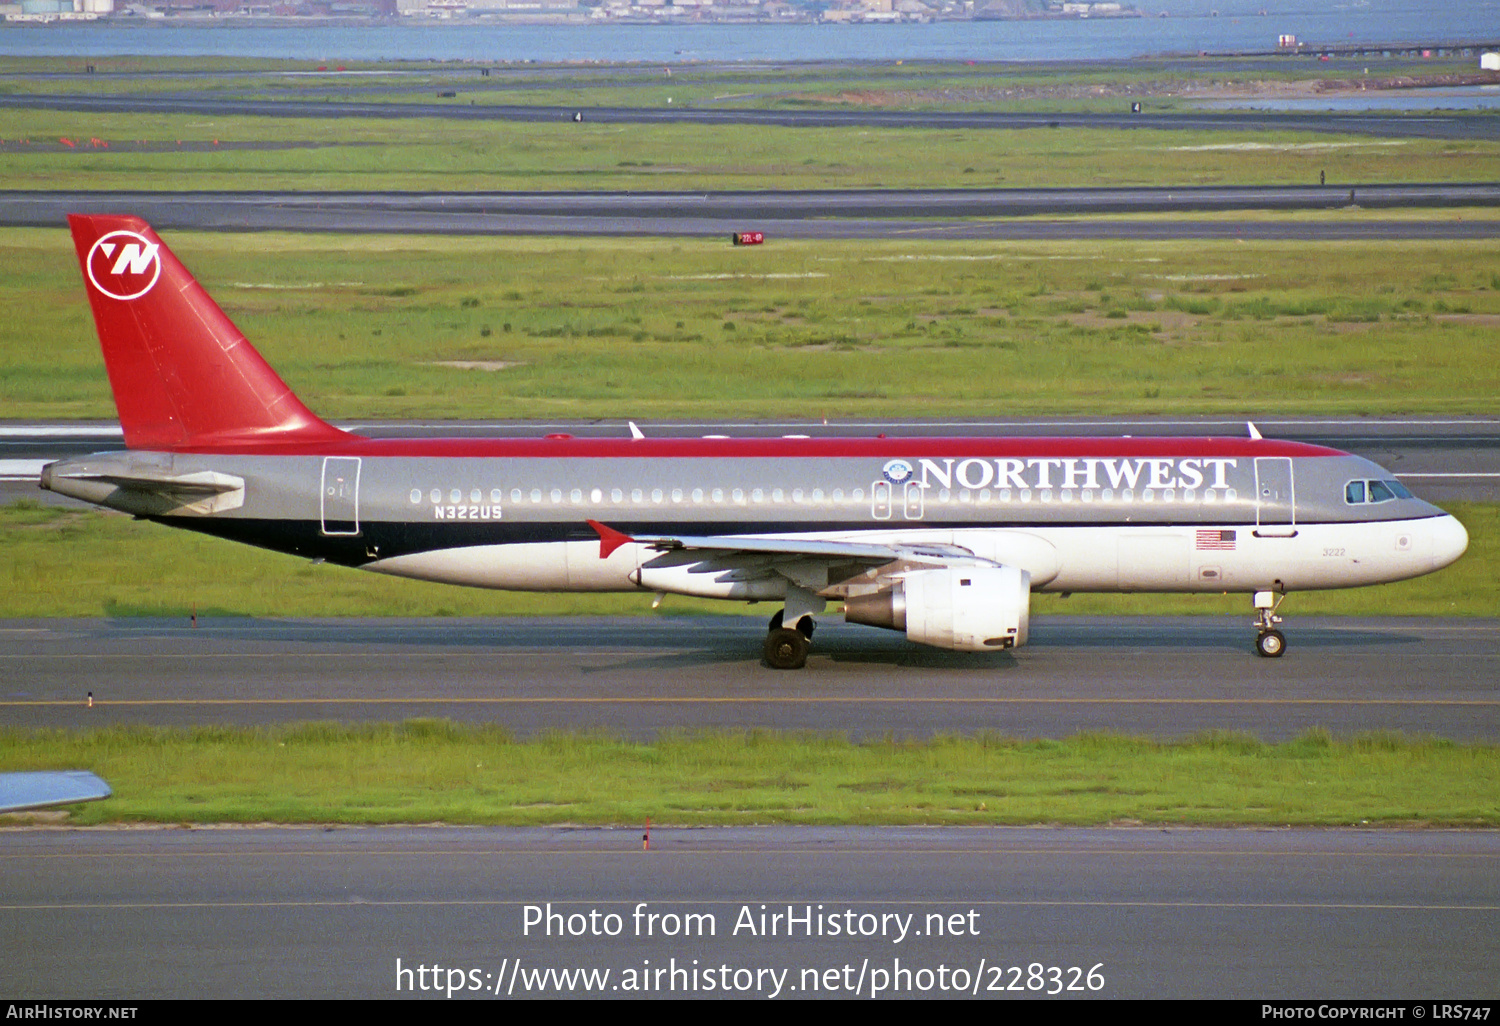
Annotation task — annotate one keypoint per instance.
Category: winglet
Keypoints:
(1254, 431)
(609, 539)
(635, 432)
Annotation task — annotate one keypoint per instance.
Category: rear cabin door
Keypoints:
(340, 495)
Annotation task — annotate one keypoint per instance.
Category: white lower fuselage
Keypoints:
(1059, 559)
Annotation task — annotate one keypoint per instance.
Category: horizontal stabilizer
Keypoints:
(152, 491)
(205, 482)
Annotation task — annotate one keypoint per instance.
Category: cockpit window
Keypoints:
(1358, 492)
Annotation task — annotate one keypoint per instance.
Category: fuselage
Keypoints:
(1100, 514)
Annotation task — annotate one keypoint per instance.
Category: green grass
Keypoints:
(436, 154)
(426, 771)
(639, 328)
(57, 563)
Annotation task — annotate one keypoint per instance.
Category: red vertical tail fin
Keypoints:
(183, 375)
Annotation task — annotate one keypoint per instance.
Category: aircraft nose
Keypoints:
(1449, 540)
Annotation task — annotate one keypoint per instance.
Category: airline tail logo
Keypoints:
(123, 265)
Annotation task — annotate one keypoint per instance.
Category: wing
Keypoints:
(815, 564)
(43, 790)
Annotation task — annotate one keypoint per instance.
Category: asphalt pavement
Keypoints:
(828, 214)
(1158, 676)
(776, 912)
(1436, 125)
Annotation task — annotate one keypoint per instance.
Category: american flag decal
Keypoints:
(1215, 541)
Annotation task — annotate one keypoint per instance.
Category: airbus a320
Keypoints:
(944, 539)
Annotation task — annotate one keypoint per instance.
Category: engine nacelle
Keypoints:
(971, 609)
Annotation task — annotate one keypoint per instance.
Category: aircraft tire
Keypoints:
(786, 649)
(806, 626)
(1270, 644)
(776, 619)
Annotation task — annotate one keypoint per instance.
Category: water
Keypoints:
(1190, 28)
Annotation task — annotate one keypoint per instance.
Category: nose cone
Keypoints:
(1449, 540)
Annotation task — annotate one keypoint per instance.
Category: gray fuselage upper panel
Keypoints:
(753, 491)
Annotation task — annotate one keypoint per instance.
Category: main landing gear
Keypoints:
(1269, 642)
(786, 647)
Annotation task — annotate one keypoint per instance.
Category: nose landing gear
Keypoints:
(1269, 642)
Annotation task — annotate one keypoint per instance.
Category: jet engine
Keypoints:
(971, 609)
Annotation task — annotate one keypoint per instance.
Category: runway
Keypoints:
(1118, 913)
(638, 676)
(830, 214)
(1436, 125)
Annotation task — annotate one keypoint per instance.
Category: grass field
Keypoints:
(425, 771)
(363, 326)
(217, 152)
(436, 154)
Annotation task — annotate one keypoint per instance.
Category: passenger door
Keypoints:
(1275, 498)
(339, 505)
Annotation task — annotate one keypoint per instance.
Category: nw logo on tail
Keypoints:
(129, 262)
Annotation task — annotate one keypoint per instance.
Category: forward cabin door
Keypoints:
(340, 495)
(1275, 500)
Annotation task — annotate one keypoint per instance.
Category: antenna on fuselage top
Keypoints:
(1254, 433)
(635, 432)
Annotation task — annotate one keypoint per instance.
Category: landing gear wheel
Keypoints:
(1270, 644)
(776, 619)
(786, 649)
(806, 626)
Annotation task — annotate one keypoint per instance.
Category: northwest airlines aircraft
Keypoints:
(944, 539)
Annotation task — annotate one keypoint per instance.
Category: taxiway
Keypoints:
(1151, 913)
(638, 676)
(999, 214)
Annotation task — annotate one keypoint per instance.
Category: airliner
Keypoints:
(944, 539)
